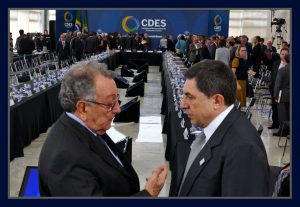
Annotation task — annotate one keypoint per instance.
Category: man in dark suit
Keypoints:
(228, 158)
(282, 93)
(78, 158)
(91, 44)
(77, 46)
(27, 46)
(213, 47)
(276, 65)
(63, 49)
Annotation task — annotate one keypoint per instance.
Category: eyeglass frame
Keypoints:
(112, 105)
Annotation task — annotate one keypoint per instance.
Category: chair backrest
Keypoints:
(260, 129)
(237, 104)
(30, 183)
(252, 102)
(248, 115)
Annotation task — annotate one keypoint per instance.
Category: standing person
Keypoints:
(78, 158)
(180, 46)
(170, 45)
(256, 55)
(17, 45)
(11, 48)
(91, 44)
(163, 42)
(27, 46)
(240, 67)
(228, 158)
(62, 49)
(193, 49)
(223, 53)
(78, 46)
(282, 95)
(275, 67)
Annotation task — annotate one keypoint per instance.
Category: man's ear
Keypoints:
(81, 110)
(218, 101)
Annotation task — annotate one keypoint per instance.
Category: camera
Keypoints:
(278, 21)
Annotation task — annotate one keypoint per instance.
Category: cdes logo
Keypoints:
(130, 24)
(68, 19)
(217, 23)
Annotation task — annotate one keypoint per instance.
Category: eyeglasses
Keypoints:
(110, 106)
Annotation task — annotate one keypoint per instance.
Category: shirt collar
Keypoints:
(213, 125)
(75, 118)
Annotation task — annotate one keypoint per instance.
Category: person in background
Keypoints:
(228, 158)
(180, 46)
(223, 53)
(270, 46)
(78, 158)
(62, 49)
(170, 45)
(256, 56)
(11, 48)
(163, 43)
(240, 68)
(17, 45)
(27, 46)
(277, 65)
(282, 95)
(193, 50)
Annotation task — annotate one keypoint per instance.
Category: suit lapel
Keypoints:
(205, 154)
(97, 146)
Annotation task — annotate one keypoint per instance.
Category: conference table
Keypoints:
(178, 144)
(34, 115)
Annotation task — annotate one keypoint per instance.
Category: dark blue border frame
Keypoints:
(257, 4)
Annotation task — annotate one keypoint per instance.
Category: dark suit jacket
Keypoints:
(63, 52)
(213, 48)
(283, 83)
(205, 54)
(273, 76)
(91, 44)
(234, 162)
(73, 162)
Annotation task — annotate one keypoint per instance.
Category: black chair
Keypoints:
(260, 129)
(30, 183)
(140, 76)
(237, 104)
(248, 115)
(285, 145)
(283, 129)
(121, 82)
(130, 112)
(144, 67)
(126, 72)
(136, 89)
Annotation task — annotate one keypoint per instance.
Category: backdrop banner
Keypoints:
(153, 22)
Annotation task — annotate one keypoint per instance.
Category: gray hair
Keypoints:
(78, 83)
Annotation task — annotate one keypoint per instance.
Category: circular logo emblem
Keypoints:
(130, 24)
(68, 17)
(217, 20)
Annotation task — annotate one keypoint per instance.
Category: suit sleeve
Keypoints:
(77, 182)
(278, 83)
(245, 172)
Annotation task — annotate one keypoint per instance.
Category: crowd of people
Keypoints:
(218, 76)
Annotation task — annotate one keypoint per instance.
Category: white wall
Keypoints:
(28, 20)
(257, 22)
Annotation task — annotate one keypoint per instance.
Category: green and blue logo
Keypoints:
(130, 24)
